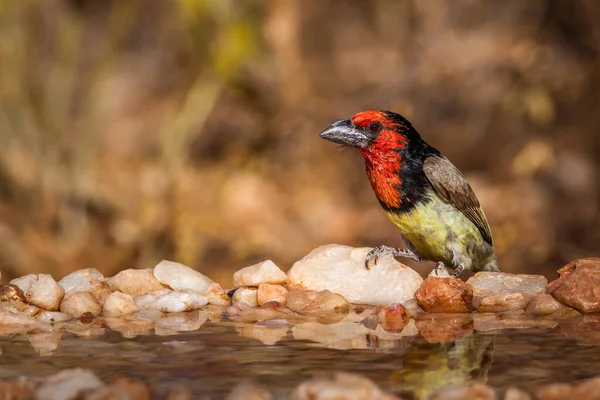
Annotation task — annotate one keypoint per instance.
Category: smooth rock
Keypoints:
(392, 317)
(166, 300)
(340, 386)
(14, 323)
(513, 393)
(498, 292)
(123, 389)
(51, 317)
(268, 292)
(341, 269)
(494, 322)
(249, 391)
(578, 285)
(135, 282)
(11, 293)
(476, 391)
(18, 307)
(310, 302)
(542, 304)
(248, 296)
(181, 277)
(445, 295)
(263, 272)
(269, 311)
(84, 327)
(217, 295)
(181, 322)
(119, 303)
(555, 391)
(587, 390)
(69, 384)
(179, 393)
(79, 303)
(40, 290)
(546, 305)
(86, 280)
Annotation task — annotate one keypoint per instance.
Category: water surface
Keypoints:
(214, 358)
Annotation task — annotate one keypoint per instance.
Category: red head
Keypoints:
(380, 137)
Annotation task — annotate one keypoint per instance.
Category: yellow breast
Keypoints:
(428, 227)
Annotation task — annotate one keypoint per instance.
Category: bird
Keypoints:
(424, 195)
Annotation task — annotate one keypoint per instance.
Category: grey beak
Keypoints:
(343, 132)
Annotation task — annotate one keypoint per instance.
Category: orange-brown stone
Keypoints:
(445, 295)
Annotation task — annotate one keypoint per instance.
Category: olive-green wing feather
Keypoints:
(452, 186)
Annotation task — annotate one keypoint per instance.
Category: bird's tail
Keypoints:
(492, 266)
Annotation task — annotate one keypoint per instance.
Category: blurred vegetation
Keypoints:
(133, 131)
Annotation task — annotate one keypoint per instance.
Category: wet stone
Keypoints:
(51, 317)
(313, 302)
(79, 303)
(181, 277)
(249, 391)
(248, 296)
(513, 393)
(393, 317)
(11, 293)
(269, 311)
(166, 300)
(69, 384)
(15, 323)
(263, 272)
(477, 391)
(498, 292)
(86, 280)
(547, 306)
(118, 303)
(579, 285)
(268, 292)
(341, 269)
(216, 295)
(438, 295)
(340, 386)
(40, 290)
(19, 307)
(135, 282)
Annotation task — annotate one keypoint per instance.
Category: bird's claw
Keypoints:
(457, 271)
(438, 267)
(383, 250)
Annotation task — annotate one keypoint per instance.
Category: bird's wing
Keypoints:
(452, 186)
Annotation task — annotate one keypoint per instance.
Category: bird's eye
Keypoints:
(374, 127)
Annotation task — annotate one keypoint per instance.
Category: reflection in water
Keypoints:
(212, 357)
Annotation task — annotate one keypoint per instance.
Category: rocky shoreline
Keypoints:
(327, 297)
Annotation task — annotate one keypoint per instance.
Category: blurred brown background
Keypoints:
(133, 131)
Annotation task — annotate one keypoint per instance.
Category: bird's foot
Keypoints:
(438, 267)
(458, 270)
(382, 250)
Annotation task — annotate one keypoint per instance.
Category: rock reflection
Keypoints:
(348, 334)
(444, 328)
(266, 334)
(45, 343)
